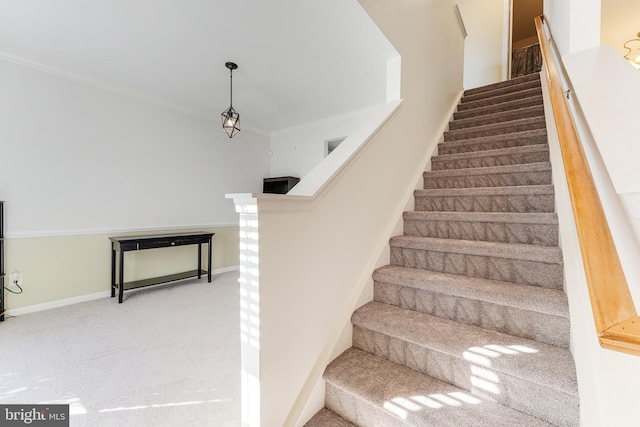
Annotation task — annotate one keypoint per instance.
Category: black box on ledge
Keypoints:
(279, 185)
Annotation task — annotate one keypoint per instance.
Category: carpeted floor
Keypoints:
(167, 356)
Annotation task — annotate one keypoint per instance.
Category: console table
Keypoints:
(120, 245)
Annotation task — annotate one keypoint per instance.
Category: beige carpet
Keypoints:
(167, 356)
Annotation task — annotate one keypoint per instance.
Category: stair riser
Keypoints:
(358, 411)
(503, 84)
(537, 326)
(492, 180)
(490, 161)
(500, 99)
(495, 203)
(498, 108)
(472, 97)
(474, 375)
(491, 144)
(325, 418)
(496, 129)
(488, 119)
(546, 275)
(528, 234)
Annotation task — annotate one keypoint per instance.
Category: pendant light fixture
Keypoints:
(633, 48)
(230, 117)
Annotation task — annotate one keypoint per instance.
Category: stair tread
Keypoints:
(509, 90)
(519, 88)
(488, 170)
(535, 253)
(526, 149)
(416, 399)
(487, 191)
(327, 418)
(529, 360)
(491, 217)
(524, 297)
(536, 110)
(505, 83)
(503, 106)
(493, 138)
(526, 121)
(494, 100)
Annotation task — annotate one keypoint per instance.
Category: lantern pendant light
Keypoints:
(230, 117)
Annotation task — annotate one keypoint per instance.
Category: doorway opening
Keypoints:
(525, 57)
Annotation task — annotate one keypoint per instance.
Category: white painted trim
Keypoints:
(139, 96)
(463, 28)
(89, 297)
(394, 79)
(506, 41)
(60, 233)
(327, 121)
(55, 304)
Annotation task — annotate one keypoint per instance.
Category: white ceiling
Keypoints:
(298, 60)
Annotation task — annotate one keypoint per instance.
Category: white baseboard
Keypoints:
(83, 298)
(55, 304)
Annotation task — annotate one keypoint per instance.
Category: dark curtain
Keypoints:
(526, 60)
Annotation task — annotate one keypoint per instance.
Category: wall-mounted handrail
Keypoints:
(616, 320)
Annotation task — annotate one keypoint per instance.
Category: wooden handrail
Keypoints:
(615, 316)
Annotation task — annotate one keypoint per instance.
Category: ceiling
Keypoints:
(299, 61)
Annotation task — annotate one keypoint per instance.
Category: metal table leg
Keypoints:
(209, 260)
(199, 260)
(113, 272)
(121, 278)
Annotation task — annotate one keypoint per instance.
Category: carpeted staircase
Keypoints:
(469, 325)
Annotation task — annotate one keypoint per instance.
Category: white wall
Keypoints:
(575, 24)
(296, 151)
(79, 158)
(484, 49)
(79, 164)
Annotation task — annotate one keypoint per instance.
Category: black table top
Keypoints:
(160, 236)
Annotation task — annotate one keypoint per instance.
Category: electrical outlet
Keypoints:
(14, 278)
